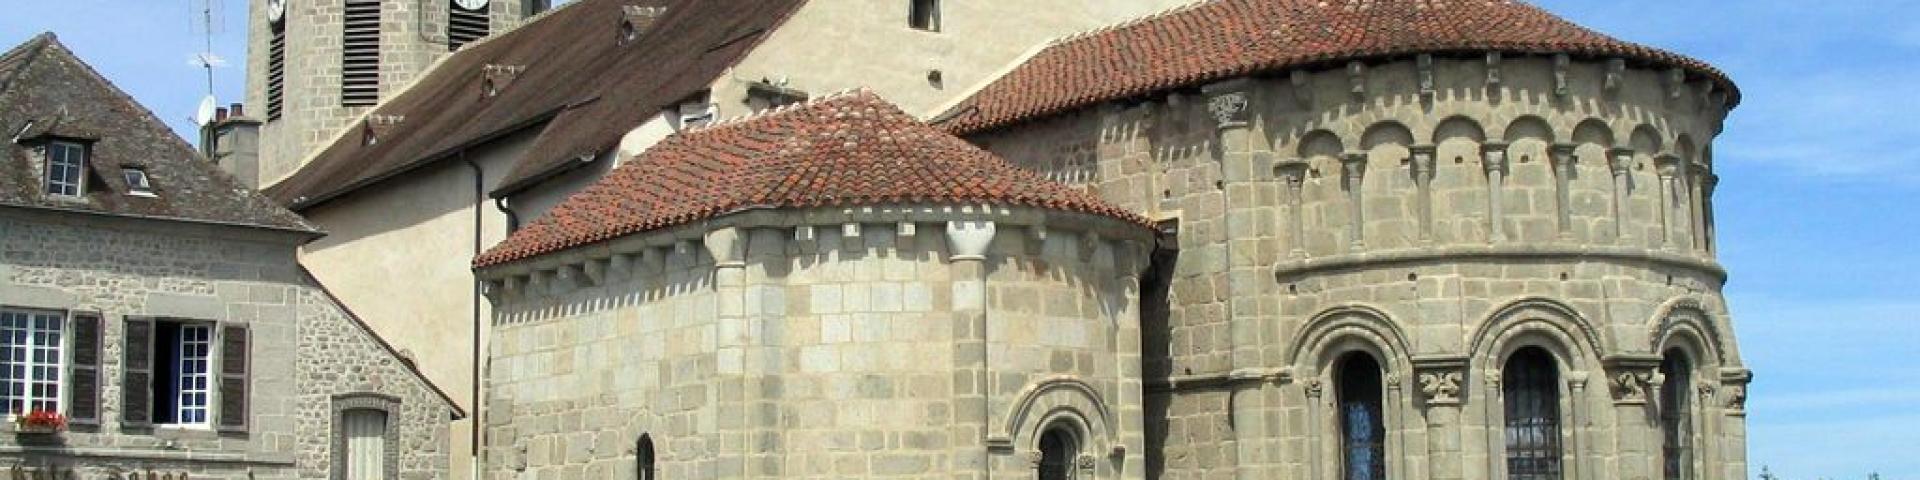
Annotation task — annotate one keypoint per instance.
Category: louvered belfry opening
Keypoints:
(360, 54)
(465, 26)
(276, 71)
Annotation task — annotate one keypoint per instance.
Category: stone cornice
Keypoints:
(1290, 270)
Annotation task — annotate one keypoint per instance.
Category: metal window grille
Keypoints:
(1676, 417)
(30, 361)
(1362, 421)
(360, 54)
(1532, 395)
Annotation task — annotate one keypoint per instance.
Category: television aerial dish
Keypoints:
(204, 115)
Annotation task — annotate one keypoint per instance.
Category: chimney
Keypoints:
(233, 143)
(637, 20)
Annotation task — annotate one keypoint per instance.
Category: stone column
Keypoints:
(1440, 380)
(1294, 173)
(1563, 164)
(967, 244)
(1620, 162)
(1707, 185)
(1354, 172)
(1494, 159)
(1580, 444)
(1632, 382)
(1697, 179)
(733, 338)
(1129, 259)
(1669, 168)
(1423, 172)
(1230, 103)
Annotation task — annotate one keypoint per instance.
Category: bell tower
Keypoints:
(315, 65)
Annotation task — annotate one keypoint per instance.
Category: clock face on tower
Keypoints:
(470, 4)
(276, 10)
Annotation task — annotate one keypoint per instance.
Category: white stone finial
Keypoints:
(969, 239)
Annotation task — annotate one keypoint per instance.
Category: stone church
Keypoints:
(1358, 239)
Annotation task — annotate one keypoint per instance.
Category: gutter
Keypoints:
(479, 200)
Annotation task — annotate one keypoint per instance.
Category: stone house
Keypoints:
(472, 143)
(156, 304)
(1468, 239)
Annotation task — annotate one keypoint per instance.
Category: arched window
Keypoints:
(643, 467)
(1057, 449)
(1530, 387)
(1676, 415)
(1363, 427)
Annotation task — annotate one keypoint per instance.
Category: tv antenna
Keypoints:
(206, 16)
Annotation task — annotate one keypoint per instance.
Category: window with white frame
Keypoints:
(187, 373)
(30, 361)
(66, 168)
(183, 387)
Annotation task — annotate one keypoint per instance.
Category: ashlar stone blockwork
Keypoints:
(1437, 214)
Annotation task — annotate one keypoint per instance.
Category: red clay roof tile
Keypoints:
(1220, 39)
(841, 151)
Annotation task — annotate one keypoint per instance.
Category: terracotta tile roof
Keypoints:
(844, 150)
(1219, 39)
(575, 77)
(47, 93)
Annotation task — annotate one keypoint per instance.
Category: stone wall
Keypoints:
(304, 349)
(1417, 210)
(853, 349)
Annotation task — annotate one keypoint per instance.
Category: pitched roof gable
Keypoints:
(1218, 39)
(845, 150)
(574, 76)
(47, 92)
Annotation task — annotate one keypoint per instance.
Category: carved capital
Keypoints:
(1620, 160)
(1422, 160)
(1085, 462)
(1630, 387)
(1562, 156)
(1441, 378)
(1313, 387)
(1494, 156)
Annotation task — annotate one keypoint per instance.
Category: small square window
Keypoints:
(137, 182)
(924, 15)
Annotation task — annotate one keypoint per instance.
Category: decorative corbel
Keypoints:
(1357, 80)
(805, 235)
(969, 240)
(1561, 64)
(494, 290)
(726, 247)
(850, 239)
(595, 271)
(1230, 104)
(1425, 63)
(1676, 83)
(1616, 76)
(1036, 239)
(1089, 243)
(1734, 382)
(905, 230)
(566, 274)
(1302, 88)
(1493, 69)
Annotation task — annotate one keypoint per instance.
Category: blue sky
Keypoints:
(1820, 182)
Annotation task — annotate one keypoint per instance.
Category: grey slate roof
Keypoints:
(47, 92)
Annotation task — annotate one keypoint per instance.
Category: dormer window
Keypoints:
(137, 182)
(66, 168)
(924, 15)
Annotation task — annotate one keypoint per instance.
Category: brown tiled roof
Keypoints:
(46, 92)
(1219, 39)
(579, 80)
(846, 150)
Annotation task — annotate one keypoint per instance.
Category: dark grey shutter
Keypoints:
(83, 371)
(234, 387)
(136, 377)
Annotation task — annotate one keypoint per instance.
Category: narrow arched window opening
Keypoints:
(1362, 425)
(1530, 387)
(1676, 415)
(1058, 447)
(643, 467)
